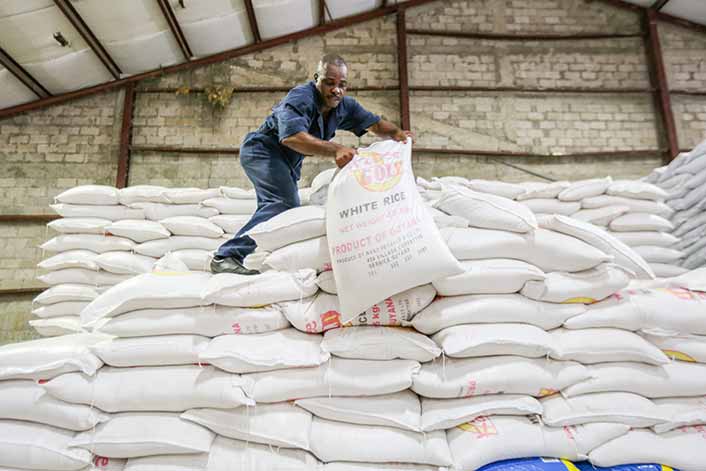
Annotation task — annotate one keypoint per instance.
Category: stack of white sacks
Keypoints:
(538, 348)
(684, 179)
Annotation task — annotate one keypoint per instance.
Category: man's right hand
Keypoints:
(344, 155)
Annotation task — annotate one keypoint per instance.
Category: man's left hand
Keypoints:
(401, 136)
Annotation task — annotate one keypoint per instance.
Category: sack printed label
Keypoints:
(481, 427)
(377, 171)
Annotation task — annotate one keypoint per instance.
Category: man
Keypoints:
(301, 124)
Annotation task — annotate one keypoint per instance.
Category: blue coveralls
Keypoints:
(273, 168)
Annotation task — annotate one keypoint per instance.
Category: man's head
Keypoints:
(331, 79)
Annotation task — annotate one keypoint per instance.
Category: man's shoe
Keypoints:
(230, 265)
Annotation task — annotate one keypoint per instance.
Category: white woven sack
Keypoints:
(467, 341)
(49, 357)
(190, 195)
(636, 206)
(191, 226)
(231, 205)
(134, 434)
(636, 189)
(26, 400)
(680, 412)
(326, 282)
(441, 219)
(581, 189)
(695, 221)
(600, 216)
(614, 407)
(80, 225)
(541, 190)
(102, 463)
(260, 290)
(294, 225)
(496, 375)
(238, 193)
(112, 213)
(70, 259)
(485, 309)
(552, 206)
(338, 377)
(694, 258)
(82, 276)
(125, 263)
(379, 343)
(159, 211)
(485, 210)
(635, 239)
(194, 259)
(492, 276)
(66, 293)
(312, 253)
(695, 280)
(547, 250)
(170, 264)
(377, 188)
(693, 198)
(151, 290)
(348, 466)
(655, 254)
(489, 439)
(600, 345)
(191, 462)
(690, 348)
(158, 248)
(28, 445)
(322, 312)
(400, 410)
(587, 286)
(255, 260)
(157, 388)
(225, 453)
(143, 193)
(602, 240)
(152, 351)
(61, 325)
(677, 378)
(138, 230)
(640, 222)
(89, 194)
(66, 308)
(682, 449)
(210, 321)
(498, 188)
(442, 414)
(281, 425)
(332, 440)
(93, 242)
(230, 223)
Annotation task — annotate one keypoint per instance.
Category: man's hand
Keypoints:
(344, 155)
(401, 136)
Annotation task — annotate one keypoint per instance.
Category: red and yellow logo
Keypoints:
(482, 427)
(377, 172)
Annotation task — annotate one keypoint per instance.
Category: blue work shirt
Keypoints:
(298, 112)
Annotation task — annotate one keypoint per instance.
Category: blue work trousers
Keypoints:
(274, 177)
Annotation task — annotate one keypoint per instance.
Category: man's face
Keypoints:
(333, 84)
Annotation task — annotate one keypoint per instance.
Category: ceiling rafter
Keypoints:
(658, 5)
(75, 19)
(661, 16)
(322, 12)
(22, 75)
(178, 34)
(252, 20)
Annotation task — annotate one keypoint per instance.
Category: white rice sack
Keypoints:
(587, 286)
(348, 466)
(319, 187)
(191, 226)
(327, 282)
(152, 351)
(269, 351)
(694, 222)
(332, 440)
(159, 211)
(294, 225)
(312, 253)
(125, 263)
(143, 193)
(552, 206)
(188, 462)
(690, 348)
(654, 254)
(112, 213)
(255, 260)
(640, 222)
(27, 445)
(541, 190)
(82, 276)
(60, 325)
(169, 264)
(230, 223)
(152, 290)
(400, 410)
(209, 321)
(66, 293)
(379, 343)
(601, 216)
(26, 400)
(238, 193)
(496, 375)
(614, 407)
(681, 217)
(636, 206)
(158, 248)
(636, 239)
(229, 289)
(155, 388)
(322, 312)
(485, 210)
(441, 219)
(58, 310)
(93, 242)
(231, 205)
(680, 412)
(49, 357)
(80, 225)
(695, 259)
(70, 259)
(138, 230)
(492, 276)
(547, 250)
(442, 414)
(693, 198)
(497, 188)
(190, 195)
(682, 449)
(280, 425)
(488, 309)
(489, 439)
(465, 341)
(636, 189)
(338, 377)
(135, 434)
(225, 452)
(677, 378)
(194, 259)
(582, 189)
(89, 194)
(377, 190)
(600, 345)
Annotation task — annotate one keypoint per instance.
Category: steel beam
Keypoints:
(658, 5)
(22, 75)
(523, 37)
(43, 218)
(252, 19)
(402, 69)
(121, 180)
(605, 91)
(173, 23)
